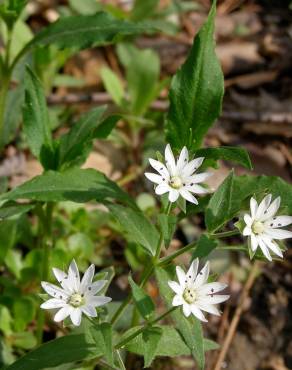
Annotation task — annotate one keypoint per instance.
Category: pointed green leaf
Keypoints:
(151, 337)
(204, 247)
(167, 225)
(102, 335)
(196, 91)
(142, 300)
(113, 85)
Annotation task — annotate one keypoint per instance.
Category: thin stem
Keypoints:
(145, 326)
(168, 259)
(121, 363)
(224, 234)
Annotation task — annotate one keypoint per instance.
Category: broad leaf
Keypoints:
(8, 230)
(138, 228)
(196, 91)
(113, 85)
(36, 124)
(75, 184)
(204, 247)
(105, 127)
(102, 335)
(167, 225)
(233, 154)
(84, 31)
(143, 9)
(76, 144)
(64, 350)
(190, 328)
(142, 301)
(151, 337)
(10, 209)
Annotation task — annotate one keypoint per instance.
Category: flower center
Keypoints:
(189, 295)
(175, 182)
(258, 227)
(76, 300)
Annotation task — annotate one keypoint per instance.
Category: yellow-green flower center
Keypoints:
(258, 227)
(175, 182)
(189, 295)
(76, 300)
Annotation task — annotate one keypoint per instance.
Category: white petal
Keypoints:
(177, 300)
(75, 316)
(278, 233)
(254, 242)
(73, 276)
(192, 271)
(192, 166)
(279, 221)
(173, 195)
(188, 196)
(53, 303)
(159, 167)
(183, 158)
(54, 291)
(264, 249)
(95, 287)
(181, 275)
(170, 161)
(209, 308)
(247, 231)
(197, 189)
(63, 313)
(215, 299)
(98, 300)
(87, 278)
(198, 313)
(63, 280)
(272, 210)
(273, 246)
(263, 206)
(162, 188)
(175, 287)
(196, 179)
(186, 309)
(202, 277)
(247, 220)
(157, 179)
(211, 288)
(89, 310)
(253, 207)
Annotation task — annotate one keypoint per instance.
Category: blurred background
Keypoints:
(254, 45)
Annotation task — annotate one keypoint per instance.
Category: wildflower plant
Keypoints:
(85, 310)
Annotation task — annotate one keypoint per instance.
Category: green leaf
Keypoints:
(143, 9)
(23, 312)
(5, 320)
(36, 124)
(10, 209)
(102, 335)
(75, 184)
(106, 126)
(64, 350)
(142, 73)
(113, 85)
(151, 337)
(8, 229)
(74, 145)
(85, 7)
(138, 228)
(167, 225)
(196, 91)
(189, 328)
(84, 31)
(142, 300)
(204, 247)
(233, 154)
(24, 340)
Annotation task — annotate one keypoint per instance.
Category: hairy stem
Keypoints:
(224, 234)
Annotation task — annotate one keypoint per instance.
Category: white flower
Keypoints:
(262, 226)
(178, 177)
(74, 297)
(194, 293)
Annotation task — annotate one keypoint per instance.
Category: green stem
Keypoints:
(168, 259)
(224, 234)
(121, 363)
(145, 326)
(46, 229)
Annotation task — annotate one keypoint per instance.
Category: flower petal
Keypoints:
(183, 159)
(192, 166)
(53, 303)
(263, 206)
(272, 210)
(188, 196)
(87, 278)
(159, 167)
(211, 288)
(170, 161)
(181, 275)
(162, 188)
(279, 221)
(247, 220)
(89, 310)
(264, 249)
(273, 246)
(95, 287)
(54, 291)
(63, 313)
(186, 309)
(208, 308)
(98, 300)
(202, 277)
(173, 195)
(196, 179)
(73, 276)
(253, 207)
(197, 189)
(157, 179)
(75, 316)
(198, 313)
(192, 271)
(177, 300)
(63, 280)
(247, 231)
(278, 234)
(175, 287)
(215, 299)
